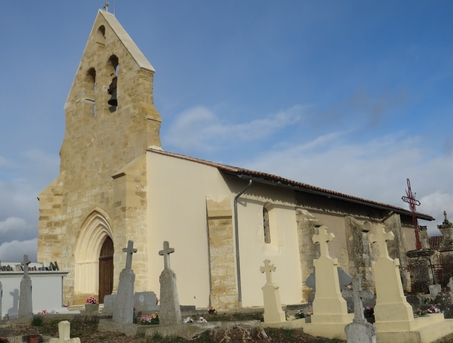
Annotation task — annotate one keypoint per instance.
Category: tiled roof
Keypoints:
(287, 183)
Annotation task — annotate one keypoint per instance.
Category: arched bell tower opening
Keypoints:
(94, 252)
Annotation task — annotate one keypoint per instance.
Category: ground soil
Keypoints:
(86, 329)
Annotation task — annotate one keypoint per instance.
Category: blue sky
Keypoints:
(353, 96)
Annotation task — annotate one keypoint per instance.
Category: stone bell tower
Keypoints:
(98, 202)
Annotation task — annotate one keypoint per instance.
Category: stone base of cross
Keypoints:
(64, 331)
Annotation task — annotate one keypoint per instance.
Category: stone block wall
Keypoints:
(224, 294)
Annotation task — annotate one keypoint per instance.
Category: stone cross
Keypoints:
(322, 237)
(357, 294)
(381, 237)
(106, 6)
(268, 268)
(25, 263)
(166, 254)
(129, 250)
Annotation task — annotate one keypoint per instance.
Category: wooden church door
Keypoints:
(106, 269)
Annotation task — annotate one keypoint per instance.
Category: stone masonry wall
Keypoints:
(99, 142)
(223, 293)
(306, 224)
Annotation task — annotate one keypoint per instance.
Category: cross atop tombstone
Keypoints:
(322, 237)
(166, 254)
(381, 237)
(64, 333)
(268, 268)
(357, 294)
(129, 250)
(25, 263)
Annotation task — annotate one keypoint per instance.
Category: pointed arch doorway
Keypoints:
(106, 269)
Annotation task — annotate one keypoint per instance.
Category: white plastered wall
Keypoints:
(177, 214)
(177, 211)
(283, 251)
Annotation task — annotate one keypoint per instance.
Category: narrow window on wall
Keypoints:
(91, 76)
(266, 226)
(113, 66)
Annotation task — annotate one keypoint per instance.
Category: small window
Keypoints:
(266, 226)
(100, 35)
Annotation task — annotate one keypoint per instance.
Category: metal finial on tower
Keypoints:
(106, 6)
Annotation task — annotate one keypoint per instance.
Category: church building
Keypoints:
(117, 183)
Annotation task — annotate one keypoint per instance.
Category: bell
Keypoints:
(112, 101)
(112, 91)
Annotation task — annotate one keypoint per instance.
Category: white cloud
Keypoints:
(14, 251)
(200, 129)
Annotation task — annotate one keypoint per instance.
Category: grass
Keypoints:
(37, 320)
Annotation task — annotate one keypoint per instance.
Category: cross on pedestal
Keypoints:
(322, 237)
(268, 268)
(25, 263)
(357, 295)
(166, 254)
(129, 250)
(381, 237)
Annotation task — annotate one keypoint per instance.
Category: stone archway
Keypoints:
(93, 234)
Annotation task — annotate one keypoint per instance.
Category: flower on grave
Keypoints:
(3, 339)
(299, 314)
(433, 309)
(421, 313)
(134, 308)
(187, 320)
(212, 310)
(368, 311)
(91, 300)
(201, 320)
(152, 319)
(43, 312)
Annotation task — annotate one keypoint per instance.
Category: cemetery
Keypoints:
(396, 316)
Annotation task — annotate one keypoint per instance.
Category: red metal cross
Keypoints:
(410, 198)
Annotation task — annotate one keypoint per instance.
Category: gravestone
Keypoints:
(145, 302)
(124, 304)
(109, 304)
(273, 312)
(344, 279)
(359, 331)
(64, 333)
(25, 296)
(434, 290)
(329, 306)
(391, 305)
(170, 310)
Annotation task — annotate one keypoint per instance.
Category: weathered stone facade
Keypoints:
(103, 162)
